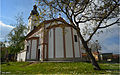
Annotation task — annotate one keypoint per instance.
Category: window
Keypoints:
(34, 27)
(35, 20)
(75, 38)
(50, 33)
(27, 48)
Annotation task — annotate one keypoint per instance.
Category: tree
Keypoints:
(17, 36)
(3, 51)
(86, 16)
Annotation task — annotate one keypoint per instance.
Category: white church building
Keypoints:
(50, 40)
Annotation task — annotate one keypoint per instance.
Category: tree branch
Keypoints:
(82, 9)
(101, 23)
(60, 7)
(51, 5)
(109, 24)
(67, 11)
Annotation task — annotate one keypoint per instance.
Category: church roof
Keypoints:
(45, 22)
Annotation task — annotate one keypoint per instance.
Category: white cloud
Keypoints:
(108, 39)
(108, 33)
(4, 30)
(4, 25)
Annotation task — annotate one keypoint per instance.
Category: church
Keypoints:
(50, 40)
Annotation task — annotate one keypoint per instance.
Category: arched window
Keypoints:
(27, 48)
(75, 38)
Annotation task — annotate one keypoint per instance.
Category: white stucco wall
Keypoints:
(28, 52)
(18, 57)
(68, 42)
(40, 47)
(50, 51)
(59, 51)
(21, 56)
(33, 49)
(80, 48)
(45, 51)
(76, 44)
(53, 23)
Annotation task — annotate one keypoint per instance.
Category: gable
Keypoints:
(48, 24)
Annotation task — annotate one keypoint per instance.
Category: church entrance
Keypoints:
(38, 54)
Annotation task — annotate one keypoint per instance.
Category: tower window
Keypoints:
(34, 27)
(75, 38)
(35, 20)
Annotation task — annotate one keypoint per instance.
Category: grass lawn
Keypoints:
(57, 68)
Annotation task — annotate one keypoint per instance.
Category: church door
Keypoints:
(38, 54)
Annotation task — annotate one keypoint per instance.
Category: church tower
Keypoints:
(33, 18)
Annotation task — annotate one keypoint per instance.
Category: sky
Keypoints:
(109, 40)
(8, 10)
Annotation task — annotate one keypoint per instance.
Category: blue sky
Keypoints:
(109, 40)
(8, 10)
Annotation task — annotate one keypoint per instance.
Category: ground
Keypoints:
(57, 68)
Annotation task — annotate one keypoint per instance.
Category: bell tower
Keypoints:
(33, 18)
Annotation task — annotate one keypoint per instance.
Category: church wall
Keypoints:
(45, 51)
(59, 44)
(59, 51)
(40, 47)
(52, 23)
(68, 43)
(76, 44)
(18, 57)
(28, 52)
(21, 56)
(33, 49)
(39, 34)
(50, 51)
(80, 45)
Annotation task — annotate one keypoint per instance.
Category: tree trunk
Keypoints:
(93, 61)
(15, 57)
(98, 56)
(88, 50)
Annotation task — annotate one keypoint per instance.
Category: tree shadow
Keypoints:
(111, 69)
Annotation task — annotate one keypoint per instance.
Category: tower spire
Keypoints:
(34, 11)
